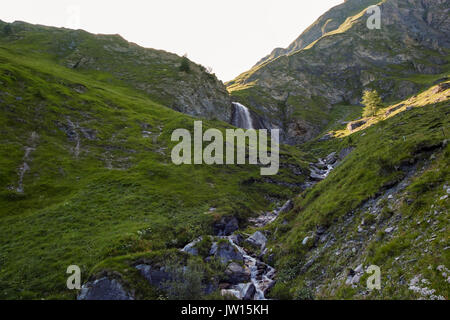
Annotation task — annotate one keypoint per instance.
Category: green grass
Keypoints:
(119, 195)
(380, 152)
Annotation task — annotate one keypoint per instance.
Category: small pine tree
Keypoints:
(372, 103)
(185, 66)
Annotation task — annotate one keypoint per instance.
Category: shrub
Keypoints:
(185, 282)
(185, 65)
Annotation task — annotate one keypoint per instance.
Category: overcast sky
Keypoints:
(229, 36)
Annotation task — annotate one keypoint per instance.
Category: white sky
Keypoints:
(229, 35)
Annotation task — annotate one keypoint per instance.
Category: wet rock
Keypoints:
(237, 274)
(236, 238)
(225, 226)
(225, 252)
(248, 291)
(331, 158)
(155, 276)
(258, 240)
(104, 289)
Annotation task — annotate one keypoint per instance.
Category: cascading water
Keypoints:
(242, 117)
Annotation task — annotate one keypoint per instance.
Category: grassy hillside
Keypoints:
(86, 174)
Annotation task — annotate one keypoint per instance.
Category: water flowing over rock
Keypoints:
(241, 116)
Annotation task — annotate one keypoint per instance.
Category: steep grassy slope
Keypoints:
(297, 92)
(86, 174)
(386, 204)
(157, 73)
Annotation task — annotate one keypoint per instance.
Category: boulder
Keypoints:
(248, 291)
(257, 240)
(237, 274)
(190, 247)
(236, 238)
(331, 158)
(225, 252)
(288, 206)
(155, 276)
(226, 226)
(104, 289)
(356, 124)
(393, 109)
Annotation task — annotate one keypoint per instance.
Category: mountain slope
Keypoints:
(329, 21)
(86, 173)
(299, 91)
(156, 73)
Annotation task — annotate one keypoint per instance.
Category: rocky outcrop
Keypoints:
(104, 289)
(338, 66)
(329, 21)
(155, 276)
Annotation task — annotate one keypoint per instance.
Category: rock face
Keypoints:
(338, 66)
(104, 289)
(329, 21)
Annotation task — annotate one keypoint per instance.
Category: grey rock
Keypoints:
(190, 247)
(155, 276)
(226, 226)
(258, 240)
(248, 291)
(288, 207)
(236, 238)
(237, 274)
(305, 241)
(356, 124)
(104, 289)
(331, 158)
(389, 230)
(359, 269)
(225, 252)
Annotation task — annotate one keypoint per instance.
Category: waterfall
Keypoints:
(241, 117)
